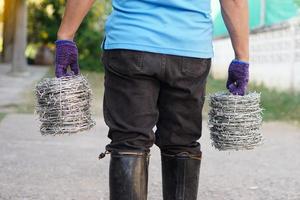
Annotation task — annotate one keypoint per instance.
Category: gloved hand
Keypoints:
(238, 77)
(66, 55)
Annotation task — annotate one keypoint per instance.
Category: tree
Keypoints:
(44, 21)
(8, 29)
(19, 64)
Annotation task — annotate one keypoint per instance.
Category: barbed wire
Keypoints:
(63, 105)
(235, 121)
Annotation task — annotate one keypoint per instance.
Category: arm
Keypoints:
(74, 13)
(66, 50)
(236, 16)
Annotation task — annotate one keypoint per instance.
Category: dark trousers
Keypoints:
(144, 89)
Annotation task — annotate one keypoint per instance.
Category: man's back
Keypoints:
(145, 89)
(176, 27)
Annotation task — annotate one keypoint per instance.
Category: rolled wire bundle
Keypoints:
(235, 121)
(63, 105)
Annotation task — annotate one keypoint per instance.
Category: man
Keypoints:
(157, 56)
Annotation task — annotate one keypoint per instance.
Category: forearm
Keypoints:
(75, 11)
(236, 17)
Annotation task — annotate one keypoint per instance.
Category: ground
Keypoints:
(35, 167)
(66, 167)
(12, 88)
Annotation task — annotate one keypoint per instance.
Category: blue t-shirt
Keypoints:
(176, 27)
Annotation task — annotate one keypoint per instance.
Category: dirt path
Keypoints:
(66, 167)
(12, 88)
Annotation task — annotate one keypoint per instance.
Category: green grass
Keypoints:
(279, 106)
(96, 81)
(2, 115)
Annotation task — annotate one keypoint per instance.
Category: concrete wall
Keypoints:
(274, 56)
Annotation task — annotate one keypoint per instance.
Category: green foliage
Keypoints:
(297, 2)
(44, 20)
(88, 39)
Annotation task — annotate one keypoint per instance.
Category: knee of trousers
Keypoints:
(130, 141)
(176, 147)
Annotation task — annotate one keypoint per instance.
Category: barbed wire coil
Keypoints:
(63, 105)
(235, 121)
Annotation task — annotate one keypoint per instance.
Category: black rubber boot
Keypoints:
(128, 176)
(180, 176)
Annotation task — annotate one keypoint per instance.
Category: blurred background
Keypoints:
(27, 35)
(30, 26)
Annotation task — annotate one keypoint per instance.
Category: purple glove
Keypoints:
(238, 77)
(66, 55)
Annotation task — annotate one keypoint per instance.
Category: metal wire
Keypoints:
(235, 121)
(63, 105)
